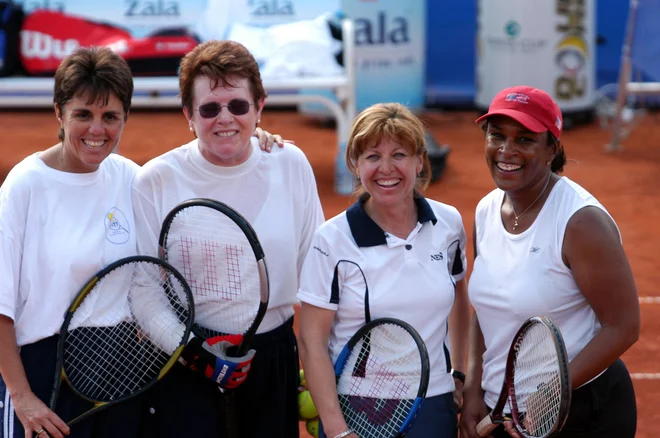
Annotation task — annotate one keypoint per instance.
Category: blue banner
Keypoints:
(645, 50)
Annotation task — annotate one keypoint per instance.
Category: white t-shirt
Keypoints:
(275, 192)
(57, 230)
(410, 279)
(517, 276)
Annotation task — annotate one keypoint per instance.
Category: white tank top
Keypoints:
(517, 276)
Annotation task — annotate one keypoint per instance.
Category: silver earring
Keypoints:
(191, 129)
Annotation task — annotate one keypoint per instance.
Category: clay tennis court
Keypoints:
(627, 183)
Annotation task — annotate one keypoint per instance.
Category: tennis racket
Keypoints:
(537, 386)
(123, 332)
(382, 376)
(218, 252)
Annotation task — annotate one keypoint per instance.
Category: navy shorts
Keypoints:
(188, 404)
(39, 361)
(438, 418)
(268, 400)
(603, 408)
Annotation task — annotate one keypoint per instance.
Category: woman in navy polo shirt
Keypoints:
(412, 253)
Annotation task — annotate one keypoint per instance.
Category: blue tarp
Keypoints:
(645, 50)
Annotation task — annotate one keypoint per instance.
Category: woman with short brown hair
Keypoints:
(55, 234)
(223, 98)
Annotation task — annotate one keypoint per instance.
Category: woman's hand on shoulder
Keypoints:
(267, 140)
(35, 417)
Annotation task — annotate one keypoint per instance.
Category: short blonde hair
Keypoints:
(388, 121)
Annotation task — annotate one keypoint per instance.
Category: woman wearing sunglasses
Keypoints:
(223, 97)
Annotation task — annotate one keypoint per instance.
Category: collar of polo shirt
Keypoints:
(367, 233)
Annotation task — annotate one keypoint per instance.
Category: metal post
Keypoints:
(624, 77)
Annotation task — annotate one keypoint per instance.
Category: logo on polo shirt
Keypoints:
(321, 251)
(437, 257)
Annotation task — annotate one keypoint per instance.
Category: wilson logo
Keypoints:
(43, 46)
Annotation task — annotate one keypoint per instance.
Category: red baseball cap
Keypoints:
(529, 106)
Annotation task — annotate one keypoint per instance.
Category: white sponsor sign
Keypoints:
(548, 44)
(209, 18)
(390, 38)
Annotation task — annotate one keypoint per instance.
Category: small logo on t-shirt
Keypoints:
(321, 251)
(117, 229)
(535, 249)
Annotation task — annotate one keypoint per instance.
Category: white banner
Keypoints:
(209, 18)
(548, 44)
(390, 38)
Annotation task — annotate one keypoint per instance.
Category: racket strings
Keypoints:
(217, 260)
(124, 332)
(379, 384)
(537, 383)
(95, 381)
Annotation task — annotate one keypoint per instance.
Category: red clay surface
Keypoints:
(626, 182)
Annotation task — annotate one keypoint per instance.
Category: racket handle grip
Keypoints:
(486, 426)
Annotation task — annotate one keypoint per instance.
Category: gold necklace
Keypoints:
(518, 216)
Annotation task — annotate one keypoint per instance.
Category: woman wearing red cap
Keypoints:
(545, 246)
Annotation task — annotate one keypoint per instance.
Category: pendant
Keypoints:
(515, 223)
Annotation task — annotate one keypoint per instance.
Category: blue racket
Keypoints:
(382, 377)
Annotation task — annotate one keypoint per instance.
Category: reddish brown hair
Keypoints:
(219, 60)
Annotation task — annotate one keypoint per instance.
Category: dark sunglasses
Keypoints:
(238, 107)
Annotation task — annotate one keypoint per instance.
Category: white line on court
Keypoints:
(649, 300)
(645, 376)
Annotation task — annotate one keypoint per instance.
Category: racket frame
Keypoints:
(227, 401)
(497, 416)
(246, 228)
(421, 348)
(60, 373)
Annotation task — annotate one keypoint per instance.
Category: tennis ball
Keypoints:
(306, 408)
(313, 427)
(303, 382)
